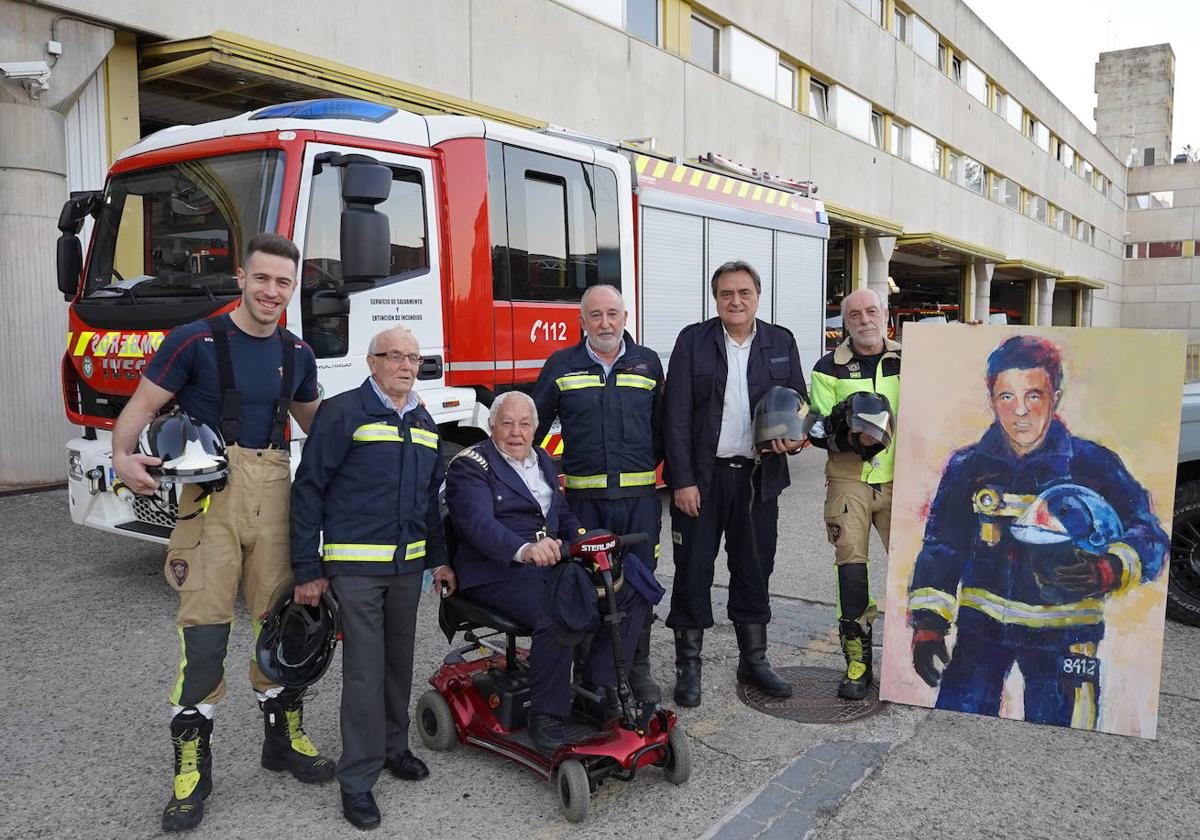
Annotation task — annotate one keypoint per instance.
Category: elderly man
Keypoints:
(511, 520)
(607, 391)
(368, 484)
(858, 490)
(720, 369)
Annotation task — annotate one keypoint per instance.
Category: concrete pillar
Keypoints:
(982, 273)
(1045, 298)
(33, 188)
(1085, 319)
(879, 258)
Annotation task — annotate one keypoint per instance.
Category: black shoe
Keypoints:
(601, 713)
(856, 645)
(689, 642)
(360, 809)
(644, 689)
(285, 746)
(190, 733)
(753, 667)
(547, 732)
(406, 766)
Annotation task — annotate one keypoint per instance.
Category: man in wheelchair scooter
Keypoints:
(511, 519)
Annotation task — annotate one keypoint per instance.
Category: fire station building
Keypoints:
(955, 181)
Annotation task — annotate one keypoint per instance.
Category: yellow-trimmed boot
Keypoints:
(191, 733)
(285, 746)
(856, 645)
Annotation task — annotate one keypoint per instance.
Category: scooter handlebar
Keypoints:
(625, 541)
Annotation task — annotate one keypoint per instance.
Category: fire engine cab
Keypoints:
(479, 237)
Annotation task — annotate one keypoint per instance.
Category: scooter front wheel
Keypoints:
(679, 757)
(574, 793)
(435, 722)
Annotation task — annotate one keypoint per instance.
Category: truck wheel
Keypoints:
(1183, 588)
(435, 722)
(679, 757)
(574, 793)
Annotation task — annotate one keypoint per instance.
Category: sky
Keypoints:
(1060, 40)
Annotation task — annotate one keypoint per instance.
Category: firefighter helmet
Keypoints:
(864, 412)
(781, 414)
(191, 452)
(296, 642)
(1069, 513)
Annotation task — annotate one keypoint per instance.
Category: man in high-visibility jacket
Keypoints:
(607, 392)
(858, 491)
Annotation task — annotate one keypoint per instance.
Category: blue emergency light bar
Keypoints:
(326, 109)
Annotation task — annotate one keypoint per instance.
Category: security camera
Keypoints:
(24, 69)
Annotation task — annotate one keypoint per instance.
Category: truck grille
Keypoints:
(144, 508)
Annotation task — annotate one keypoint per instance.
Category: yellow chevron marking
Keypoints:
(758, 191)
(743, 189)
(85, 338)
(729, 185)
(660, 168)
(641, 164)
(697, 177)
(678, 174)
(713, 180)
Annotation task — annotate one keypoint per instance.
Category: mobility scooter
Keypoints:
(483, 700)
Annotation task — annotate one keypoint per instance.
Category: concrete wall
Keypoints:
(1135, 91)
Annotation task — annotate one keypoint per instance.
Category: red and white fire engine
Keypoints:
(478, 236)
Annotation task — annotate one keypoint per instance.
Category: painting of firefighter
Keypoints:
(1035, 475)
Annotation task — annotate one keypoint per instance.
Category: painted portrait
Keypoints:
(1035, 474)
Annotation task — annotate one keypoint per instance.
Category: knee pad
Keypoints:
(202, 662)
(854, 592)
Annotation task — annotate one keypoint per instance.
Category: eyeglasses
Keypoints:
(396, 357)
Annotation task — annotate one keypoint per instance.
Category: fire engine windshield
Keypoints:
(179, 230)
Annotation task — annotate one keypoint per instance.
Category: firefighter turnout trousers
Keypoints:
(852, 506)
(241, 539)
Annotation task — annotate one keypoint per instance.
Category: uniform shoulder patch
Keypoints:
(471, 454)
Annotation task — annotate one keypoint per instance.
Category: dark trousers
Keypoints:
(750, 527)
(519, 596)
(379, 619)
(633, 515)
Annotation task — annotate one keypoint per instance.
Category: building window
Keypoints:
(1066, 155)
(1009, 109)
(877, 129)
(975, 81)
(956, 69)
(706, 45)
(924, 40)
(1148, 156)
(952, 167)
(923, 150)
(1006, 192)
(1102, 184)
(641, 19)
(871, 8)
(785, 86)
(1062, 221)
(941, 60)
(818, 100)
(1150, 201)
(900, 25)
(1039, 134)
(752, 63)
(899, 140)
(1036, 207)
(971, 175)
(1159, 250)
(850, 113)
(1086, 171)
(1130, 250)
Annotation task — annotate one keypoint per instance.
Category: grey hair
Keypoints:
(878, 299)
(607, 286)
(732, 266)
(501, 399)
(373, 347)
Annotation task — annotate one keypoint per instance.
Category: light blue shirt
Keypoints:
(412, 402)
(607, 367)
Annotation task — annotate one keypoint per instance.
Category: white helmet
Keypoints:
(191, 452)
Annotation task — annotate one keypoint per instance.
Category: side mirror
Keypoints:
(70, 252)
(366, 233)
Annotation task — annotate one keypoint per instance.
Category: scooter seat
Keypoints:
(458, 613)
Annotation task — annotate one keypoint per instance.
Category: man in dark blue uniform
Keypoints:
(365, 517)
(1038, 526)
(511, 520)
(719, 370)
(607, 393)
(243, 374)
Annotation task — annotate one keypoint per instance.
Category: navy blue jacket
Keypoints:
(611, 428)
(494, 514)
(695, 398)
(369, 480)
(983, 489)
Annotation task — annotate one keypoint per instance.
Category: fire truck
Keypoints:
(480, 237)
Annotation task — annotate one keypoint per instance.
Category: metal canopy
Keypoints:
(224, 74)
(1077, 281)
(939, 248)
(1025, 270)
(844, 221)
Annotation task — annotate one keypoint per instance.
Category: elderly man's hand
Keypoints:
(687, 499)
(444, 575)
(309, 594)
(544, 552)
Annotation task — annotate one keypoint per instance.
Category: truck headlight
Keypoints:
(74, 465)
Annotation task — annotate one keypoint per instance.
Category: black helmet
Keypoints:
(865, 412)
(296, 642)
(191, 452)
(781, 414)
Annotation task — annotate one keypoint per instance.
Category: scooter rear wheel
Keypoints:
(679, 757)
(435, 722)
(574, 793)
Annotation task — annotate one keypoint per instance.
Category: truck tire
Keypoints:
(1183, 587)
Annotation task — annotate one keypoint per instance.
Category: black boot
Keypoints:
(689, 642)
(644, 689)
(753, 667)
(285, 746)
(191, 733)
(856, 645)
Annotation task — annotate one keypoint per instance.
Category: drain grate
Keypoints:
(814, 698)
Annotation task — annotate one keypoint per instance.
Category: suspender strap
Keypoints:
(231, 398)
(287, 349)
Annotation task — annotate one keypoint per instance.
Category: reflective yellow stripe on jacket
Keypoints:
(384, 433)
(370, 552)
(600, 482)
(1087, 611)
(633, 380)
(575, 381)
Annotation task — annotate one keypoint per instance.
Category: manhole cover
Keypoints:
(814, 698)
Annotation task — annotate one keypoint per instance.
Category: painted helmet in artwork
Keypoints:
(1069, 514)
